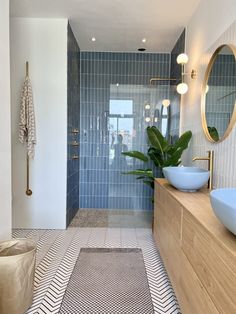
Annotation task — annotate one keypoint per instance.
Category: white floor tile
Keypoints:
(57, 252)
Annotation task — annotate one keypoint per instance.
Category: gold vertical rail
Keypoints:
(28, 190)
(27, 68)
(211, 168)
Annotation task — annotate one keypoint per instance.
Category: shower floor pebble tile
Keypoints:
(109, 218)
(57, 252)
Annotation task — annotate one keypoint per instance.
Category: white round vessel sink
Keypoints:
(223, 202)
(186, 179)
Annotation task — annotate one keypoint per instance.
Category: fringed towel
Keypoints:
(27, 131)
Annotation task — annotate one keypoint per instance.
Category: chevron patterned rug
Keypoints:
(108, 280)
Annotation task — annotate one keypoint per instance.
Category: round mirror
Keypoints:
(219, 94)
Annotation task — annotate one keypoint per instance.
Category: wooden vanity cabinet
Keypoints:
(198, 252)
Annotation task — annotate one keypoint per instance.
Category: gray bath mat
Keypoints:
(108, 281)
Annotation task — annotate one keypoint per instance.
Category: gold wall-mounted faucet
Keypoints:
(210, 159)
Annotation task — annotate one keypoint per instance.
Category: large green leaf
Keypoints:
(213, 133)
(156, 156)
(183, 141)
(136, 154)
(173, 161)
(173, 158)
(141, 172)
(156, 139)
(149, 183)
(167, 148)
(141, 177)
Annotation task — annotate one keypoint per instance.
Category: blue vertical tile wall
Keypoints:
(73, 124)
(175, 72)
(114, 92)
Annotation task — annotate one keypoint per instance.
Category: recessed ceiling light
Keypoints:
(144, 40)
(93, 39)
(141, 49)
(117, 84)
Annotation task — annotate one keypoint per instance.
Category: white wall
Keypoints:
(212, 25)
(42, 42)
(5, 126)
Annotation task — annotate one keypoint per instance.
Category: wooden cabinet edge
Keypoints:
(211, 263)
(188, 301)
(184, 281)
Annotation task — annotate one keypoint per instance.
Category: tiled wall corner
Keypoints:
(73, 123)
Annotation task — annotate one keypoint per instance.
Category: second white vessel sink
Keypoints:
(223, 202)
(186, 179)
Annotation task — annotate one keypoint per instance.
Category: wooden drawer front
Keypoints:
(191, 294)
(168, 209)
(214, 264)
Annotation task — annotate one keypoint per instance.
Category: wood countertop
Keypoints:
(199, 206)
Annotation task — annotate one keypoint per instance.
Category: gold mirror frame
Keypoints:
(203, 101)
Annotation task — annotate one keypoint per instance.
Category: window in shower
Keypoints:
(120, 131)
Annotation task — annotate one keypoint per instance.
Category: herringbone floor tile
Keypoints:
(57, 252)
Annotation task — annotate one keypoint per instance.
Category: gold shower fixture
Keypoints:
(182, 87)
(154, 79)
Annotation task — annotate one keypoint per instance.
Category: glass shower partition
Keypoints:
(132, 108)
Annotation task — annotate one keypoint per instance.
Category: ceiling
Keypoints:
(117, 25)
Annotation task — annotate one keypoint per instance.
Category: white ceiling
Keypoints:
(118, 25)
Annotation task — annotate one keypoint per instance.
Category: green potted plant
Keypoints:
(160, 152)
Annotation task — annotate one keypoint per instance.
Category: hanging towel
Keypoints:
(27, 131)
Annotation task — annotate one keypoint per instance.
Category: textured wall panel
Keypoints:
(225, 152)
